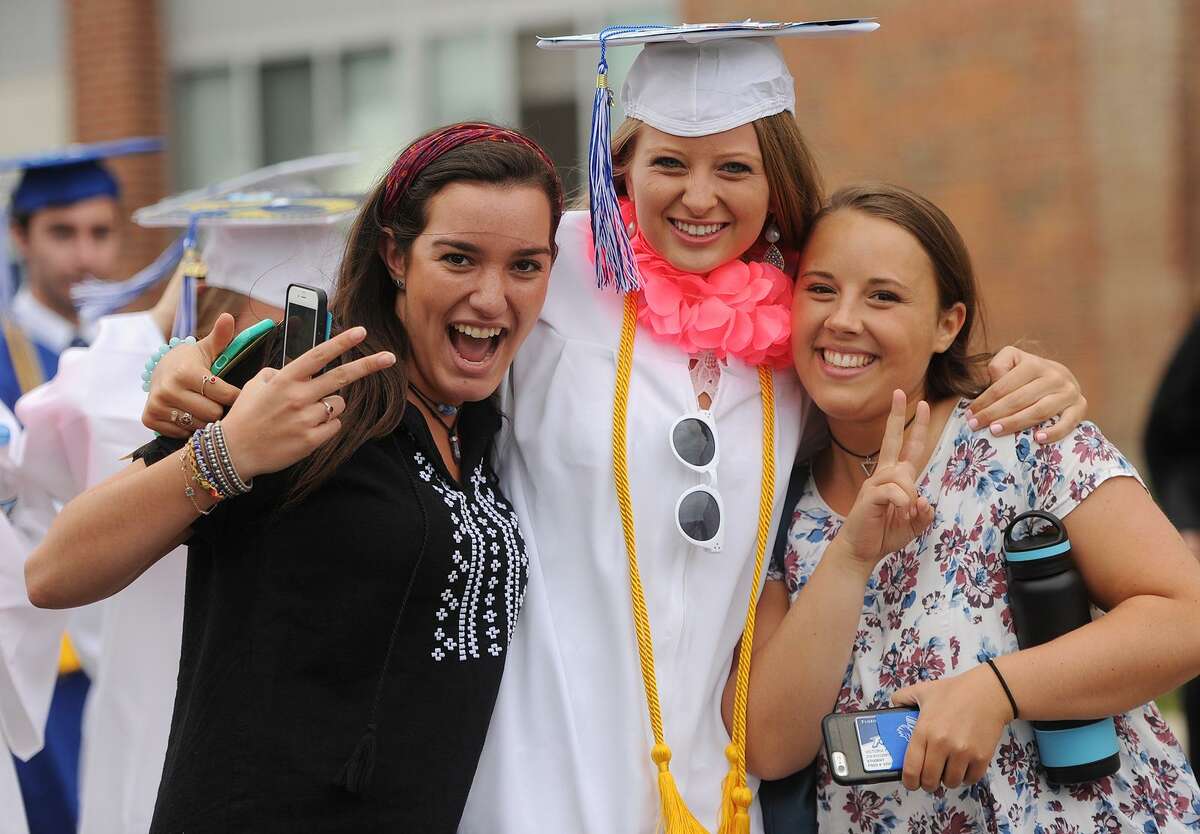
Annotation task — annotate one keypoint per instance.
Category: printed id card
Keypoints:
(883, 739)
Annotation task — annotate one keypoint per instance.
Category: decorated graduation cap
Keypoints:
(290, 179)
(255, 244)
(688, 80)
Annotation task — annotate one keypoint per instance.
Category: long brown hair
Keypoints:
(365, 294)
(956, 372)
(791, 170)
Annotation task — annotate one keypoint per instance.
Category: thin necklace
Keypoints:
(867, 462)
(441, 410)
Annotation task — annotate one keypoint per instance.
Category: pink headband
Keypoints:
(421, 153)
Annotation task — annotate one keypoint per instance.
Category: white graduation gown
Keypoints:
(79, 427)
(29, 640)
(569, 745)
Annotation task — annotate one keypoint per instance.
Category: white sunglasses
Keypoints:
(699, 512)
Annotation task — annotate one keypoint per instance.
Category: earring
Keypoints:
(632, 228)
(773, 255)
(399, 282)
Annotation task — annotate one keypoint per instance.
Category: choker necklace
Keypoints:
(443, 410)
(867, 462)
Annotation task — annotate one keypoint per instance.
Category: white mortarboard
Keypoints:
(293, 178)
(256, 244)
(688, 80)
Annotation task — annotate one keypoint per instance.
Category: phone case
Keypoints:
(323, 318)
(844, 753)
(241, 347)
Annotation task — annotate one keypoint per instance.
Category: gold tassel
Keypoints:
(735, 798)
(677, 818)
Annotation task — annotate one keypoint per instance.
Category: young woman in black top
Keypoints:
(345, 621)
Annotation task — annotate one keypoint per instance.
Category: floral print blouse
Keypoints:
(939, 607)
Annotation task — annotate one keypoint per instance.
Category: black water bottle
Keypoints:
(1048, 599)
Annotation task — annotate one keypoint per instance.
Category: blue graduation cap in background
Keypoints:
(59, 178)
(68, 175)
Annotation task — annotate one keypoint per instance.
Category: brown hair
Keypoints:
(365, 294)
(792, 176)
(956, 372)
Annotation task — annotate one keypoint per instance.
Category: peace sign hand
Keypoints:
(282, 416)
(888, 512)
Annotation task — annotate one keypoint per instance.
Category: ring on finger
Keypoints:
(328, 408)
(207, 379)
(181, 418)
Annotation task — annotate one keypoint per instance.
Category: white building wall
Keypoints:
(35, 102)
(446, 60)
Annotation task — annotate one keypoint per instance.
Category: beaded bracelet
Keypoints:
(218, 435)
(212, 467)
(157, 356)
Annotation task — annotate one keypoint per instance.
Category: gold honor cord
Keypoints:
(735, 795)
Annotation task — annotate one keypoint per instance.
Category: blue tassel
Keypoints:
(96, 298)
(193, 271)
(616, 266)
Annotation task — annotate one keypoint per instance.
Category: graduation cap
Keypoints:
(59, 178)
(68, 175)
(293, 178)
(688, 80)
(255, 244)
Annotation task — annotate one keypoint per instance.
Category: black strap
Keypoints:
(789, 805)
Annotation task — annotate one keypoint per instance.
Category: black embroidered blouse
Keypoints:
(357, 636)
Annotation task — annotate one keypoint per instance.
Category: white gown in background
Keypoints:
(29, 641)
(79, 427)
(569, 745)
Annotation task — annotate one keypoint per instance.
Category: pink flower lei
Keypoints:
(738, 309)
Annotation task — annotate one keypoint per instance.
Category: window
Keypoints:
(548, 101)
(287, 110)
(469, 78)
(204, 151)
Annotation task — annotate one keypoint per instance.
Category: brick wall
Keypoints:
(1055, 135)
(118, 90)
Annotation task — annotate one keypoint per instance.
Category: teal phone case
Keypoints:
(242, 342)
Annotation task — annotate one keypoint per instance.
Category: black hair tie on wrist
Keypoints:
(1012, 702)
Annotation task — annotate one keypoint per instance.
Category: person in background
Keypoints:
(897, 584)
(65, 221)
(1172, 444)
(80, 426)
(29, 640)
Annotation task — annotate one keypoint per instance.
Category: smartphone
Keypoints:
(868, 747)
(241, 347)
(305, 320)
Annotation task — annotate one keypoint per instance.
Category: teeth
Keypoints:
(477, 332)
(847, 360)
(697, 230)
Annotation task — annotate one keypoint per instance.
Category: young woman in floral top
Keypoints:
(893, 590)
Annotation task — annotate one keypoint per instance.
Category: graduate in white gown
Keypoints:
(29, 640)
(81, 426)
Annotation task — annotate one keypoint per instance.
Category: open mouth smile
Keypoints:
(475, 345)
